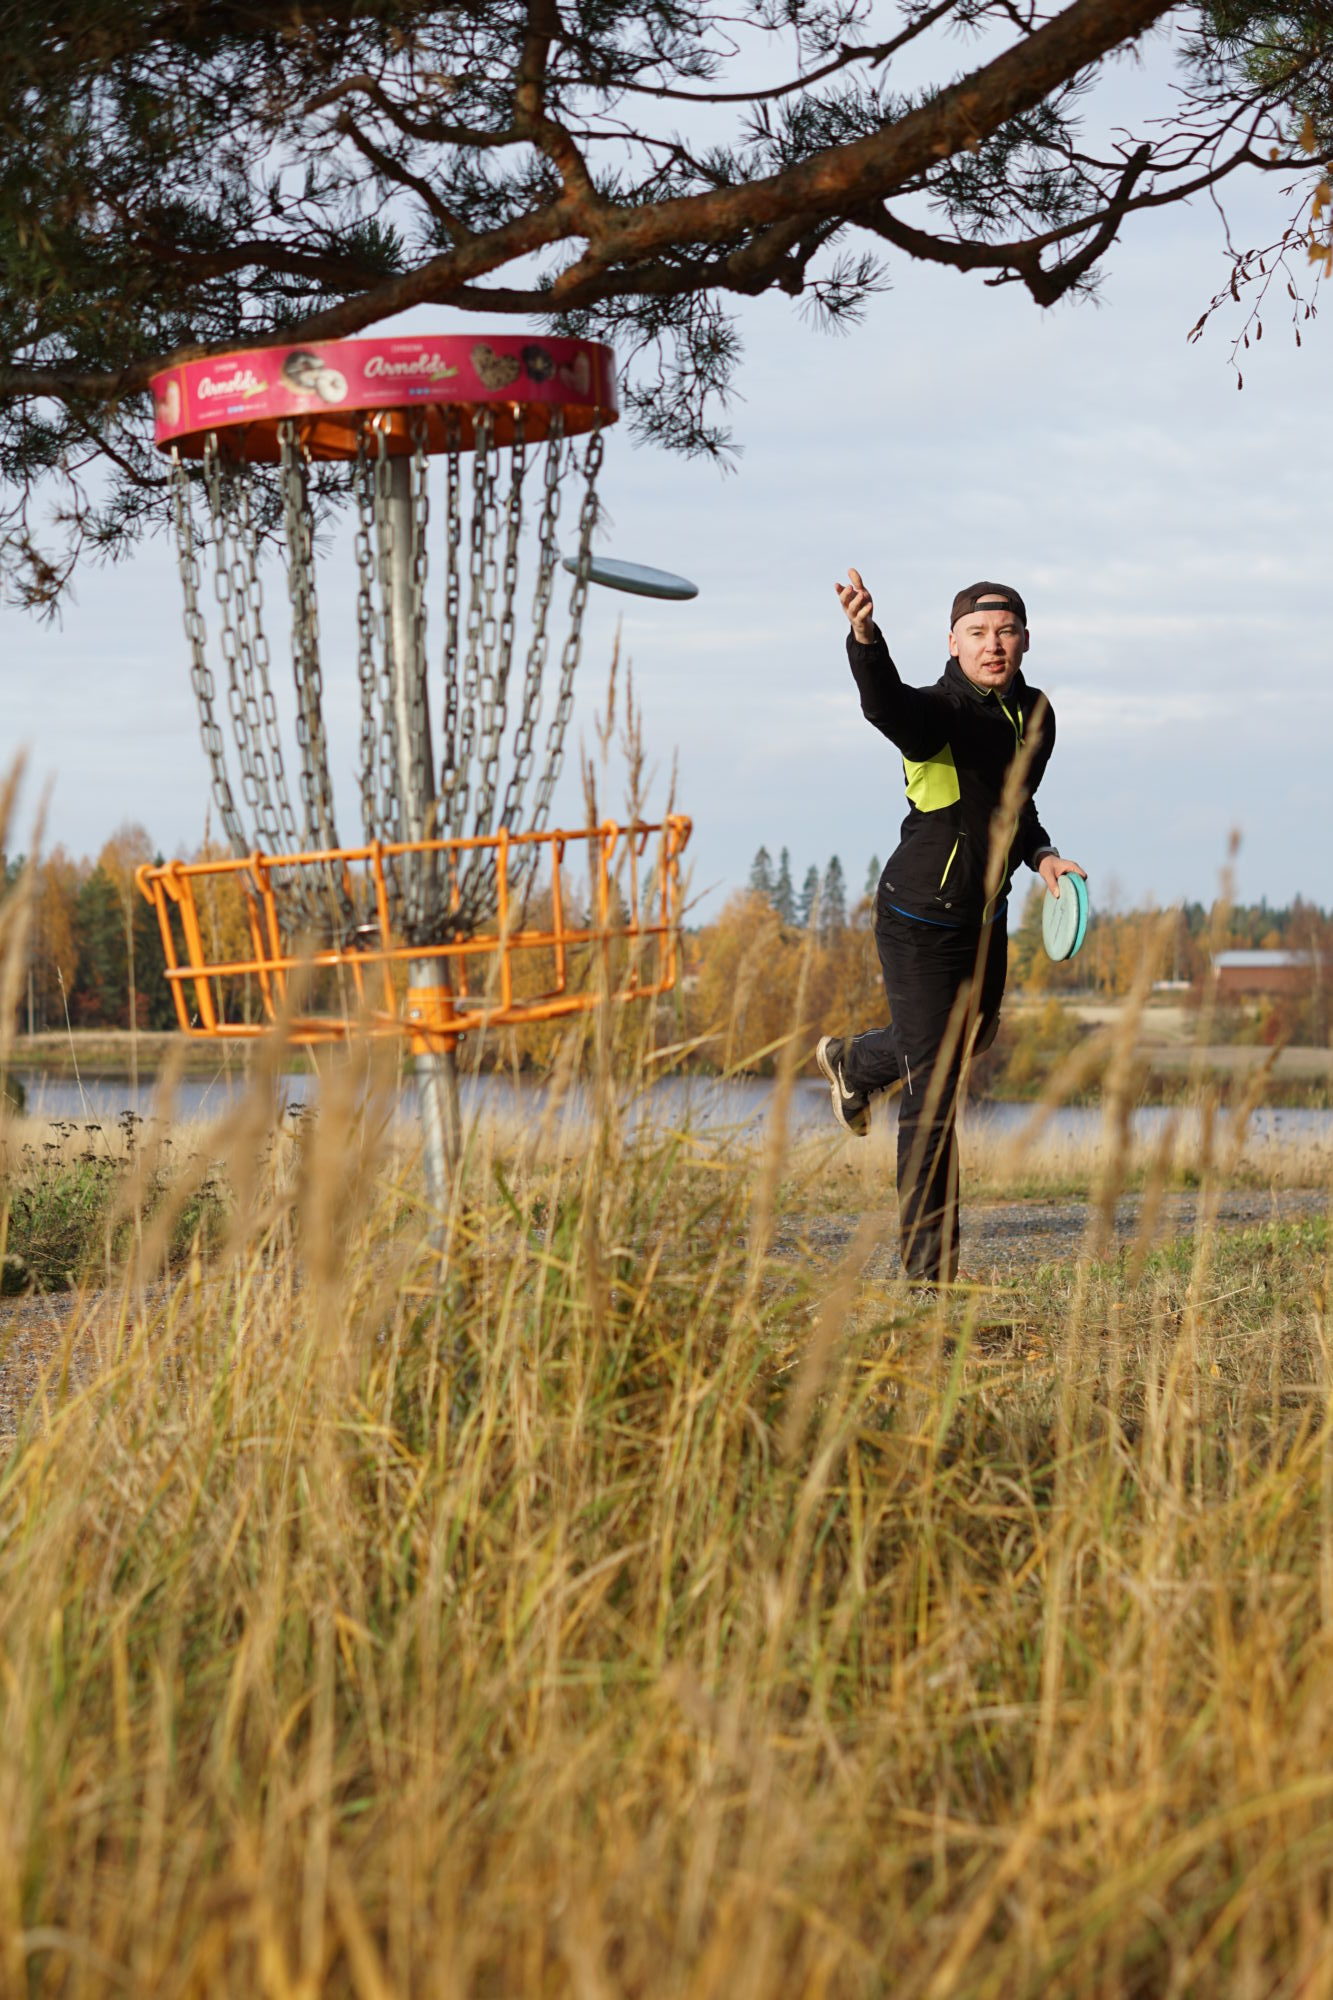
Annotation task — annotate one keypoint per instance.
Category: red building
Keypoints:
(1275, 973)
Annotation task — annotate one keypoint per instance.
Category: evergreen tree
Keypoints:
(153, 997)
(108, 911)
(808, 901)
(873, 873)
(100, 998)
(833, 900)
(784, 895)
(761, 874)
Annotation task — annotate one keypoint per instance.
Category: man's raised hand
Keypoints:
(859, 605)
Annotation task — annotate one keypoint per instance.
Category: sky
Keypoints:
(1169, 534)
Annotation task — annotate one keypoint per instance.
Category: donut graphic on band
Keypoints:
(302, 370)
(306, 373)
(538, 363)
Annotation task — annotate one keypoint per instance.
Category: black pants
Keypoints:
(944, 990)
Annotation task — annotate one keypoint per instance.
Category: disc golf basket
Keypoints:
(458, 909)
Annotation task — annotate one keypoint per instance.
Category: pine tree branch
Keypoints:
(394, 170)
(1022, 259)
(758, 221)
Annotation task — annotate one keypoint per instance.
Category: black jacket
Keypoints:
(957, 743)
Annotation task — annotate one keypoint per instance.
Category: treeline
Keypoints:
(821, 900)
(771, 958)
(776, 953)
(94, 955)
(1183, 939)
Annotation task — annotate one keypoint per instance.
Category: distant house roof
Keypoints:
(1259, 961)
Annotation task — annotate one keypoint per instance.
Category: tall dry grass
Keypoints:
(642, 1608)
(647, 1612)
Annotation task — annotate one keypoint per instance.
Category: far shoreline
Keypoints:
(1300, 1078)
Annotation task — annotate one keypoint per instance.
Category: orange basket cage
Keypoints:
(621, 945)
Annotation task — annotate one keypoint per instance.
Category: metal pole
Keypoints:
(411, 710)
(441, 1119)
(436, 1073)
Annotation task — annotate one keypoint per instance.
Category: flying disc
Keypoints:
(636, 578)
(1064, 918)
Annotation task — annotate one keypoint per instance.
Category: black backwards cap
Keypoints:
(987, 597)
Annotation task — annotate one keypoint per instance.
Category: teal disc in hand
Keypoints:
(1064, 918)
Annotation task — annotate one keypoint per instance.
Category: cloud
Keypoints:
(1106, 714)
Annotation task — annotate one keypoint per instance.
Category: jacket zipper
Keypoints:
(1016, 724)
(953, 855)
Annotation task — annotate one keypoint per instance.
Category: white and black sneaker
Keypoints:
(851, 1108)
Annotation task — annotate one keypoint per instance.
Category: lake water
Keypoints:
(702, 1103)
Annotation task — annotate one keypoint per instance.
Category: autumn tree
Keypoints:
(121, 972)
(224, 921)
(758, 981)
(178, 179)
(1028, 963)
(53, 949)
(744, 990)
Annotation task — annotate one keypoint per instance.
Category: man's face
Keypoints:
(988, 646)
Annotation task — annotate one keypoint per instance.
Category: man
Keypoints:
(940, 907)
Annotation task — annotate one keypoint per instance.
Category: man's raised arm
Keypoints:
(912, 718)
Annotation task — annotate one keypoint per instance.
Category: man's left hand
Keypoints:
(1052, 866)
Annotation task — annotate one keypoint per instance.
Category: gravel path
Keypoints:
(37, 1334)
(1002, 1238)
(1044, 1232)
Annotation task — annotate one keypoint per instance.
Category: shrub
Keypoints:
(72, 1205)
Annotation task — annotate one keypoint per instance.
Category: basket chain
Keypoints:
(222, 589)
(255, 656)
(535, 665)
(483, 487)
(423, 775)
(499, 654)
(391, 805)
(366, 673)
(453, 536)
(569, 657)
(484, 704)
(201, 674)
(316, 787)
(481, 705)
(240, 600)
(422, 899)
